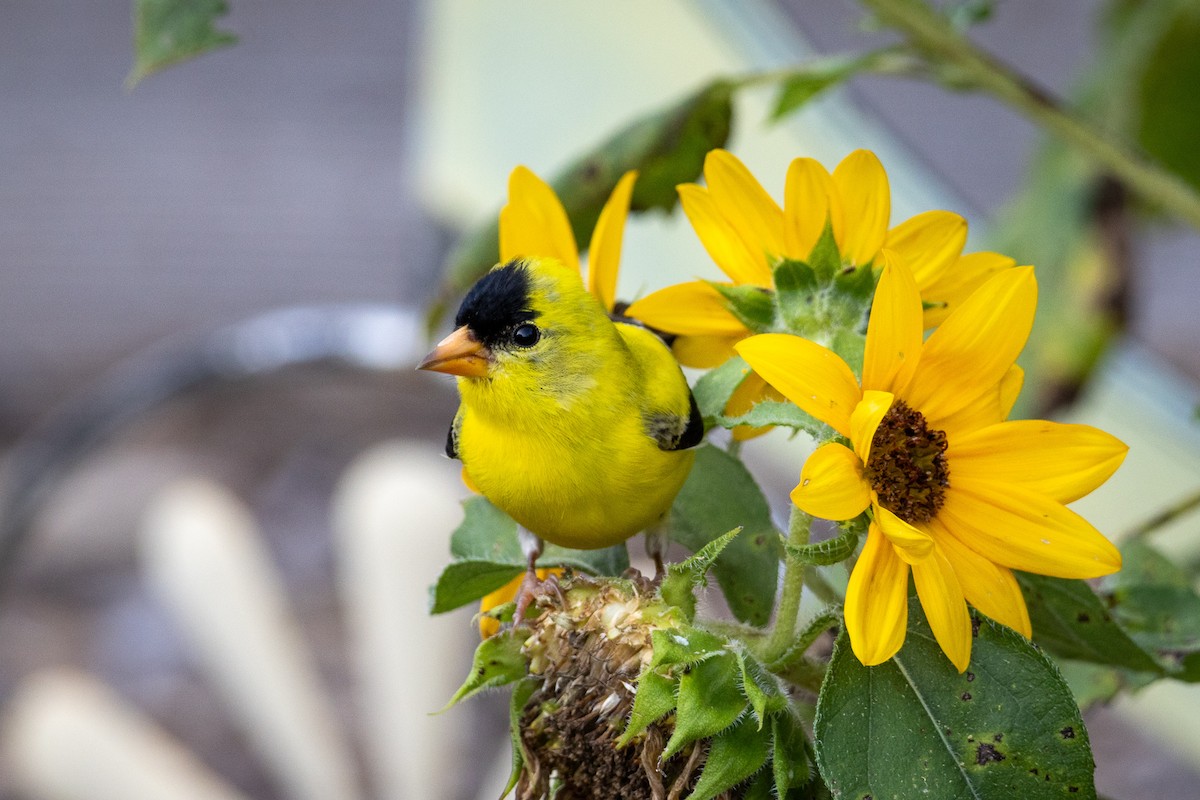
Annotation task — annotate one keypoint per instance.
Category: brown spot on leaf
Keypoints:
(999, 737)
(986, 754)
(975, 623)
(1067, 732)
(966, 695)
(1082, 616)
(970, 677)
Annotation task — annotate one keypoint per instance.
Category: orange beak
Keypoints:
(460, 353)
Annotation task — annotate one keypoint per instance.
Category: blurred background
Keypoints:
(222, 274)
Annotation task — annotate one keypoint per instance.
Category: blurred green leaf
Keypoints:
(714, 388)
(1070, 621)
(1168, 110)
(718, 496)
(1155, 601)
(805, 82)
(667, 147)
(487, 554)
(167, 32)
(913, 726)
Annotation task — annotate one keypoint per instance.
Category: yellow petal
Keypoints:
(1061, 461)
(894, 333)
(809, 204)
(1010, 389)
(911, 544)
(877, 601)
(865, 421)
(721, 239)
(958, 281)
(813, 377)
(534, 222)
(604, 254)
(971, 352)
(988, 409)
(1021, 529)
(866, 202)
(705, 352)
(929, 243)
(990, 588)
(742, 200)
(832, 485)
(694, 308)
(942, 599)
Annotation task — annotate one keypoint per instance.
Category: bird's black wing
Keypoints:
(672, 433)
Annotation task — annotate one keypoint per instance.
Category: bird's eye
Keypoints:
(526, 335)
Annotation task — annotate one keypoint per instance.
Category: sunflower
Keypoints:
(534, 223)
(957, 495)
(747, 234)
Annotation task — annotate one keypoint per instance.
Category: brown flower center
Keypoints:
(907, 467)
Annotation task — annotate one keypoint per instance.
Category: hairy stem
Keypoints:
(793, 586)
(953, 55)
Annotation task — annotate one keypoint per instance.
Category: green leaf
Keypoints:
(752, 305)
(487, 555)
(714, 388)
(166, 32)
(1168, 110)
(809, 80)
(709, 701)
(914, 727)
(783, 414)
(667, 147)
(679, 584)
(654, 699)
(521, 693)
(1071, 621)
(826, 552)
(498, 660)
(1143, 564)
(718, 496)
(789, 753)
(734, 756)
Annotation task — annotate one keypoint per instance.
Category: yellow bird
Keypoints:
(577, 426)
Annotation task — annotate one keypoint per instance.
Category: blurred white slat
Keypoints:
(393, 515)
(69, 737)
(202, 551)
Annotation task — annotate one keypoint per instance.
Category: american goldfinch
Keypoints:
(578, 427)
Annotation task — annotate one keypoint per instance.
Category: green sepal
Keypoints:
(1070, 621)
(761, 688)
(719, 495)
(666, 146)
(714, 388)
(709, 701)
(779, 414)
(734, 755)
(166, 32)
(683, 647)
(826, 552)
(654, 699)
(825, 260)
(796, 288)
(521, 693)
(823, 621)
(761, 788)
(915, 727)
(679, 584)
(789, 753)
(753, 306)
(487, 554)
(498, 661)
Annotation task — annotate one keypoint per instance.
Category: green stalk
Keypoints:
(788, 610)
(950, 53)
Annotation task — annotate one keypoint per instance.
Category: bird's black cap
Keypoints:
(497, 303)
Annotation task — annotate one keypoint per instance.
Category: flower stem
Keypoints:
(954, 56)
(793, 586)
(1169, 514)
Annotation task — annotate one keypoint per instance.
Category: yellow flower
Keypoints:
(958, 496)
(748, 234)
(490, 626)
(534, 223)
